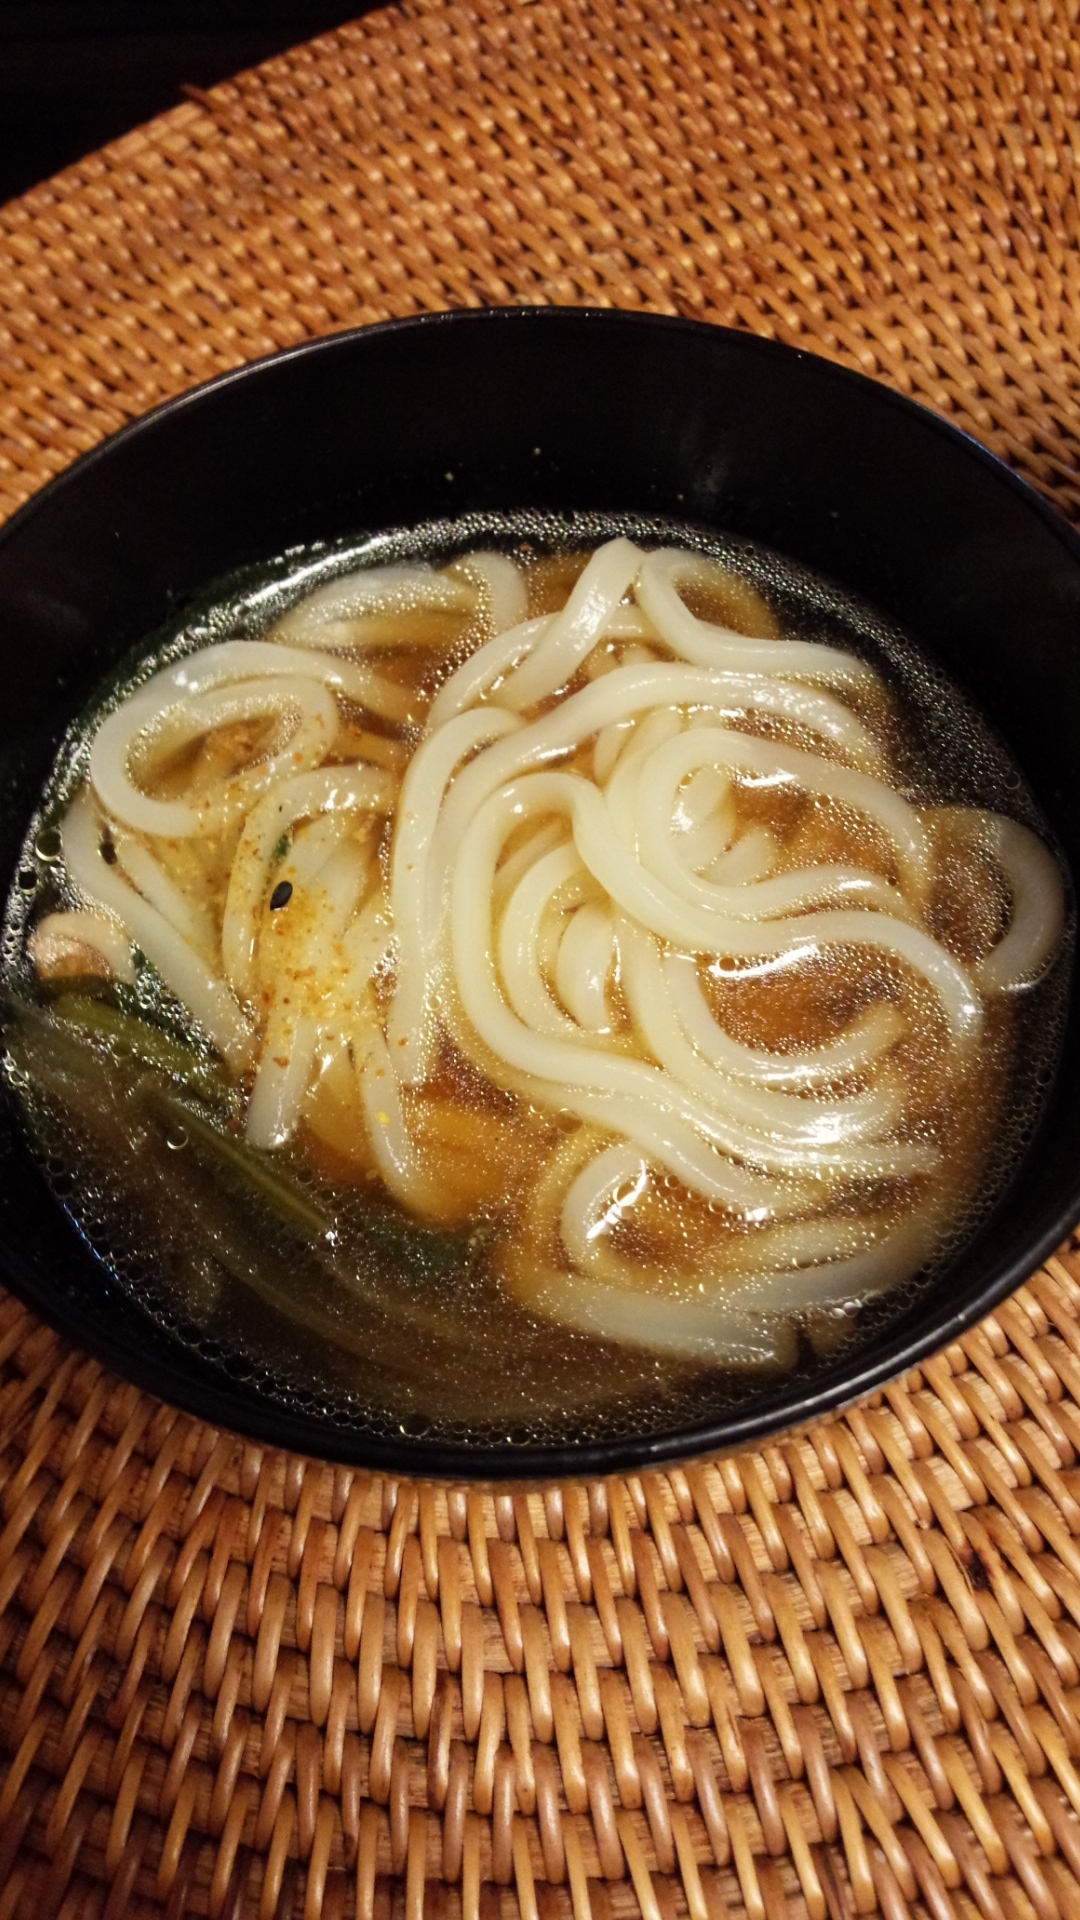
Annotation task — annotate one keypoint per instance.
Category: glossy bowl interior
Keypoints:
(559, 410)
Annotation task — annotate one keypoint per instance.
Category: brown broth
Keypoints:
(459, 1356)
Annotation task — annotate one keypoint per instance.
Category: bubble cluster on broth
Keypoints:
(565, 915)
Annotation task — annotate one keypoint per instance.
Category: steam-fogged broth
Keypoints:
(553, 980)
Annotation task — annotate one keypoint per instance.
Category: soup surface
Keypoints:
(534, 979)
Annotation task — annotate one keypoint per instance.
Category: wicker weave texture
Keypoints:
(839, 1676)
(890, 182)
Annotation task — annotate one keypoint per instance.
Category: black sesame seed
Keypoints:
(108, 853)
(281, 895)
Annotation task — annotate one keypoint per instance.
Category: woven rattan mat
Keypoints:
(839, 1676)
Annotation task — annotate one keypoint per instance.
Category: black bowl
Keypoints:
(552, 409)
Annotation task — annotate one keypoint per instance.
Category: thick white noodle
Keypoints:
(541, 839)
(503, 593)
(753, 857)
(388, 1131)
(301, 969)
(896, 1256)
(627, 691)
(349, 597)
(708, 792)
(607, 1188)
(586, 953)
(364, 947)
(188, 916)
(712, 646)
(653, 731)
(1038, 909)
(338, 789)
(519, 942)
(572, 1067)
(808, 708)
(796, 1245)
(205, 995)
(573, 894)
(342, 882)
(697, 1153)
(700, 848)
(162, 702)
(164, 708)
(649, 899)
(862, 1044)
(575, 631)
(58, 934)
(330, 869)
(766, 763)
(484, 668)
(609, 744)
(773, 1112)
(369, 940)
(430, 771)
(231, 662)
(652, 804)
(668, 1140)
(310, 848)
(700, 832)
(629, 623)
(305, 709)
(713, 1328)
(285, 1063)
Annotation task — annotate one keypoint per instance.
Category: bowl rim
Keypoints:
(211, 1395)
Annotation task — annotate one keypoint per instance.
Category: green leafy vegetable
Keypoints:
(245, 1166)
(126, 1035)
(122, 1074)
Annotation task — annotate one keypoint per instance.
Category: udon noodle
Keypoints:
(573, 900)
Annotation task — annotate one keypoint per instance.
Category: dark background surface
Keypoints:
(77, 73)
